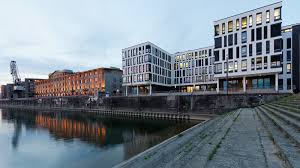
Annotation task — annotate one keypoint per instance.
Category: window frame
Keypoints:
(279, 16)
(250, 21)
(237, 24)
(217, 30)
(230, 26)
(258, 14)
(223, 28)
(268, 16)
(244, 25)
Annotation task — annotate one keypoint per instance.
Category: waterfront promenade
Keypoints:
(264, 136)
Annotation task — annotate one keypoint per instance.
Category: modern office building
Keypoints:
(194, 70)
(146, 67)
(289, 78)
(252, 52)
(92, 82)
(248, 50)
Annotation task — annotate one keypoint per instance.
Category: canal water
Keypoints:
(31, 139)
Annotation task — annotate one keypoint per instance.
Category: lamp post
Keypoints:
(227, 74)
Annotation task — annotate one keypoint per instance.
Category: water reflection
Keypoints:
(109, 140)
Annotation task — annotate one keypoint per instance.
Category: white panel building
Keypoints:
(248, 50)
(194, 70)
(146, 67)
(252, 52)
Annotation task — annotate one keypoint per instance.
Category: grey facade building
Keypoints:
(146, 67)
(194, 70)
(252, 52)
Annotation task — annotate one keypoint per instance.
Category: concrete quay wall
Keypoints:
(196, 104)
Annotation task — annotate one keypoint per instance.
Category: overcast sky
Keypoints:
(46, 35)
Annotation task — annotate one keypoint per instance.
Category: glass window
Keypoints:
(258, 48)
(231, 66)
(288, 43)
(237, 22)
(275, 61)
(230, 53)
(244, 65)
(277, 45)
(217, 30)
(258, 19)
(244, 51)
(265, 62)
(288, 68)
(265, 32)
(218, 42)
(252, 34)
(254, 83)
(267, 83)
(217, 55)
(267, 47)
(225, 66)
(230, 26)
(280, 84)
(180, 65)
(252, 63)
(218, 68)
(235, 39)
(250, 20)
(260, 83)
(289, 83)
(230, 40)
(268, 16)
(258, 33)
(244, 22)
(288, 56)
(225, 41)
(276, 30)
(237, 52)
(223, 28)
(244, 37)
(250, 50)
(235, 66)
(277, 14)
(258, 63)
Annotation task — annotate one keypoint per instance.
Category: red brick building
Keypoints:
(91, 82)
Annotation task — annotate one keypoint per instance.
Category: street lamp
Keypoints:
(227, 74)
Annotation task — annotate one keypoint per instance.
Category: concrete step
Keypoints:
(289, 107)
(201, 149)
(292, 101)
(159, 155)
(291, 121)
(283, 110)
(296, 106)
(281, 123)
(288, 151)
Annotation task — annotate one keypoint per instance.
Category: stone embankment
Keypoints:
(264, 136)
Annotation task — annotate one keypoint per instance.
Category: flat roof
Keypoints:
(192, 50)
(147, 42)
(249, 11)
(290, 26)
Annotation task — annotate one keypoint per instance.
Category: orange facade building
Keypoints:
(91, 82)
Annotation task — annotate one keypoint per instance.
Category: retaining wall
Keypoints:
(197, 104)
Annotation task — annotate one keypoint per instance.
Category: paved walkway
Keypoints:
(234, 140)
(244, 145)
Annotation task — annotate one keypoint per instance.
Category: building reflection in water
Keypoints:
(68, 129)
(134, 135)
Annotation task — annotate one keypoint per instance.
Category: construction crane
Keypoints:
(16, 77)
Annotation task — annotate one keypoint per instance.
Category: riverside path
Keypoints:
(265, 136)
